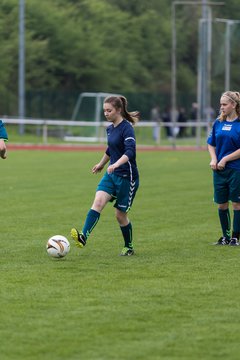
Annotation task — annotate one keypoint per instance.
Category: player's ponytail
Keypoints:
(132, 116)
(237, 94)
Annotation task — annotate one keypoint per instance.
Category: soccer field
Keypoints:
(177, 298)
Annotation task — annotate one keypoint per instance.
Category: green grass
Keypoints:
(178, 298)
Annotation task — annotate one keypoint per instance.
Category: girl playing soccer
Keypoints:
(121, 180)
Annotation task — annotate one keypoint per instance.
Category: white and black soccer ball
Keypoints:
(58, 246)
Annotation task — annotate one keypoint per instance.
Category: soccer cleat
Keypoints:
(222, 241)
(234, 242)
(127, 252)
(79, 239)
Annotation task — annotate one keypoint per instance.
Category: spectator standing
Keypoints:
(155, 117)
(193, 117)
(166, 118)
(182, 118)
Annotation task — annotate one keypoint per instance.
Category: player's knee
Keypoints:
(98, 204)
(223, 206)
(121, 218)
(236, 205)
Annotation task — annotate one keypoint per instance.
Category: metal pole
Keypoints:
(209, 68)
(202, 57)
(227, 55)
(229, 23)
(200, 82)
(97, 116)
(21, 65)
(174, 80)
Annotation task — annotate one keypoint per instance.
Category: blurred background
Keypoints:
(171, 59)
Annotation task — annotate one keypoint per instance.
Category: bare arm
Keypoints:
(212, 152)
(98, 167)
(233, 156)
(123, 159)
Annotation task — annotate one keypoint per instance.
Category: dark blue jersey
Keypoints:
(225, 137)
(3, 132)
(121, 141)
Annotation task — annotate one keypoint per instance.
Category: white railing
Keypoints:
(100, 126)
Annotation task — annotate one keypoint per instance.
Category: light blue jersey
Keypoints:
(3, 132)
(225, 137)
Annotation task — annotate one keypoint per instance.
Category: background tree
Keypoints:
(107, 45)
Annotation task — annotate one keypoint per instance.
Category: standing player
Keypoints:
(224, 149)
(121, 180)
(3, 139)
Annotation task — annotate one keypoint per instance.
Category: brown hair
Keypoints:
(234, 97)
(120, 102)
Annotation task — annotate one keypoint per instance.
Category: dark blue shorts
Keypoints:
(226, 185)
(121, 189)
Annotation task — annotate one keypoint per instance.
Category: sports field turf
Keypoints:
(178, 298)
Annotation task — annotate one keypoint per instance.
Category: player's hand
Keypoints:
(111, 169)
(213, 164)
(97, 168)
(221, 165)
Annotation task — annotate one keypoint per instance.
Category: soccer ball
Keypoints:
(58, 246)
